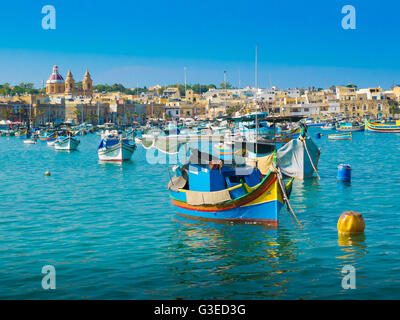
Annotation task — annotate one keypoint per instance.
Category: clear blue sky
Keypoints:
(300, 43)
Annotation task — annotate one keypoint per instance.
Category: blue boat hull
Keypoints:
(267, 213)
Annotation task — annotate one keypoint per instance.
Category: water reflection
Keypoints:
(343, 185)
(302, 188)
(208, 254)
(115, 163)
(353, 246)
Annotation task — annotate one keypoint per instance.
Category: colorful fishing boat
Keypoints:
(116, 149)
(290, 134)
(341, 136)
(350, 127)
(66, 143)
(207, 189)
(392, 127)
(23, 134)
(48, 136)
(224, 149)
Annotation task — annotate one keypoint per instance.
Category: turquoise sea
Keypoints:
(111, 232)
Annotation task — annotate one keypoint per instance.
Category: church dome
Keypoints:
(55, 77)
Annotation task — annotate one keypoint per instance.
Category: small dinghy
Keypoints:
(30, 141)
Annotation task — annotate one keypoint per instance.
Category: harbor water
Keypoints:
(111, 231)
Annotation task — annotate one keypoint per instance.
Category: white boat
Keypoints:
(30, 141)
(298, 158)
(115, 149)
(66, 143)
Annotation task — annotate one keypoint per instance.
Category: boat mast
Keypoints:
(256, 83)
(225, 88)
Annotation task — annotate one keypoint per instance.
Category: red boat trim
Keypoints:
(265, 222)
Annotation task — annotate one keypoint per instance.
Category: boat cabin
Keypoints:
(207, 173)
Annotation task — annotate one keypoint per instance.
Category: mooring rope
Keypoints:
(312, 164)
(286, 198)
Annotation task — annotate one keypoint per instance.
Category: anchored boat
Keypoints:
(340, 136)
(66, 143)
(299, 158)
(116, 149)
(48, 136)
(392, 127)
(207, 189)
(23, 134)
(350, 127)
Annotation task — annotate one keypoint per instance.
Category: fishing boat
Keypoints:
(392, 127)
(66, 143)
(340, 136)
(207, 189)
(299, 158)
(48, 136)
(350, 127)
(290, 134)
(23, 134)
(224, 148)
(116, 149)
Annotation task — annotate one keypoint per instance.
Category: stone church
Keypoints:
(56, 85)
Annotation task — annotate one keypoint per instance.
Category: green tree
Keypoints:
(394, 107)
(224, 85)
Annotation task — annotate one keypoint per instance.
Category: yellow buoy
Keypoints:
(351, 222)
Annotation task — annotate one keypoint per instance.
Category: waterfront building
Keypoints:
(372, 93)
(374, 109)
